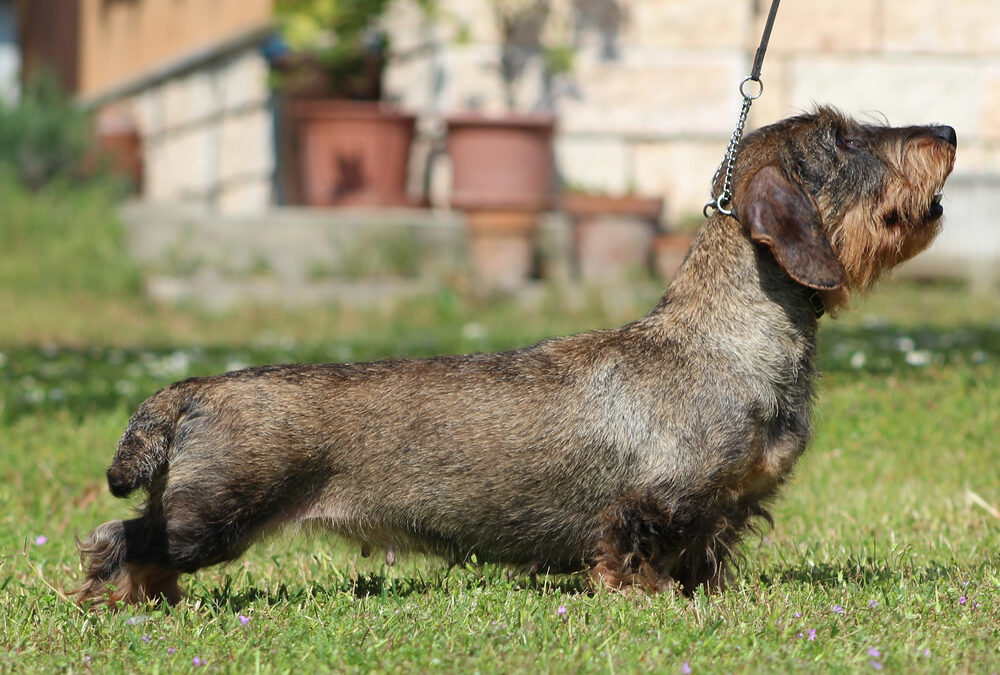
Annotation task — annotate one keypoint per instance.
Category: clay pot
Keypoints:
(502, 177)
(613, 235)
(119, 145)
(501, 246)
(502, 162)
(352, 153)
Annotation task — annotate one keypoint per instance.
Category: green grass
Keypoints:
(888, 517)
(60, 241)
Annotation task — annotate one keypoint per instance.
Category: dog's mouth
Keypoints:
(936, 210)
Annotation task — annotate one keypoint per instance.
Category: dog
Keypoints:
(639, 456)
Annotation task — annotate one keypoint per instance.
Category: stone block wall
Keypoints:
(652, 98)
(207, 135)
(911, 61)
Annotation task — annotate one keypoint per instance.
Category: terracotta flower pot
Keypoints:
(613, 235)
(502, 177)
(118, 148)
(502, 172)
(502, 246)
(501, 162)
(352, 153)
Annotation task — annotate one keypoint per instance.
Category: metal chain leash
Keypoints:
(722, 203)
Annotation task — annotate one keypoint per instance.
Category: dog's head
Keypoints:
(839, 202)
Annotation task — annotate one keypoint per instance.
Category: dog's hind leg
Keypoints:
(119, 569)
(137, 560)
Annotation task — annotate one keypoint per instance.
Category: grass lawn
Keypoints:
(885, 554)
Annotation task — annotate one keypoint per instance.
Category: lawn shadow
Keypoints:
(543, 584)
(231, 597)
(861, 573)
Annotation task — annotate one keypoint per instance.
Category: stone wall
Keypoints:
(652, 98)
(207, 134)
(913, 61)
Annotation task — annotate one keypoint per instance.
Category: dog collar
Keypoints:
(819, 307)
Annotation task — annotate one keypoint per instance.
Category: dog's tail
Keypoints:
(144, 447)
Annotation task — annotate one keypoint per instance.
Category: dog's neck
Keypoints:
(744, 277)
(754, 324)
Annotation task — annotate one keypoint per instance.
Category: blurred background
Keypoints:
(311, 143)
(189, 187)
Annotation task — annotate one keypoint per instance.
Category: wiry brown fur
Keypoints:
(114, 580)
(641, 454)
(864, 244)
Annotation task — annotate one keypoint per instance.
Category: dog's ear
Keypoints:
(779, 213)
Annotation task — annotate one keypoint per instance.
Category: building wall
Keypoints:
(652, 98)
(50, 39)
(122, 40)
(10, 57)
(96, 47)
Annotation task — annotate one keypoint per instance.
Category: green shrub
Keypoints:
(43, 135)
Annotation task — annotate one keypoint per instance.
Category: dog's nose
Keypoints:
(945, 133)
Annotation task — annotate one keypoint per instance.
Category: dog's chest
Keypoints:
(769, 462)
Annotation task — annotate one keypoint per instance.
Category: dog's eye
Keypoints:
(850, 143)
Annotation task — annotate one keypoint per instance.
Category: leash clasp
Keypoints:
(722, 203)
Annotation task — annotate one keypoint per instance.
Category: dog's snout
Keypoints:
(945, 133)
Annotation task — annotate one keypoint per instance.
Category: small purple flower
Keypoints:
(686, 668)
(86, 659)
(962, 600)
(145, 638)
(244, 620)
(873, 604)
(874, 652)
(41, 540)
(927, 652)
(875, 665)
(562, 610)
(811, 634)
(197, 661)
(965, 583)
(798, 615)
(837, 609)
(171, 650)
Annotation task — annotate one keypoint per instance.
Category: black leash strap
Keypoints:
(758, 59)
(722, 203)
